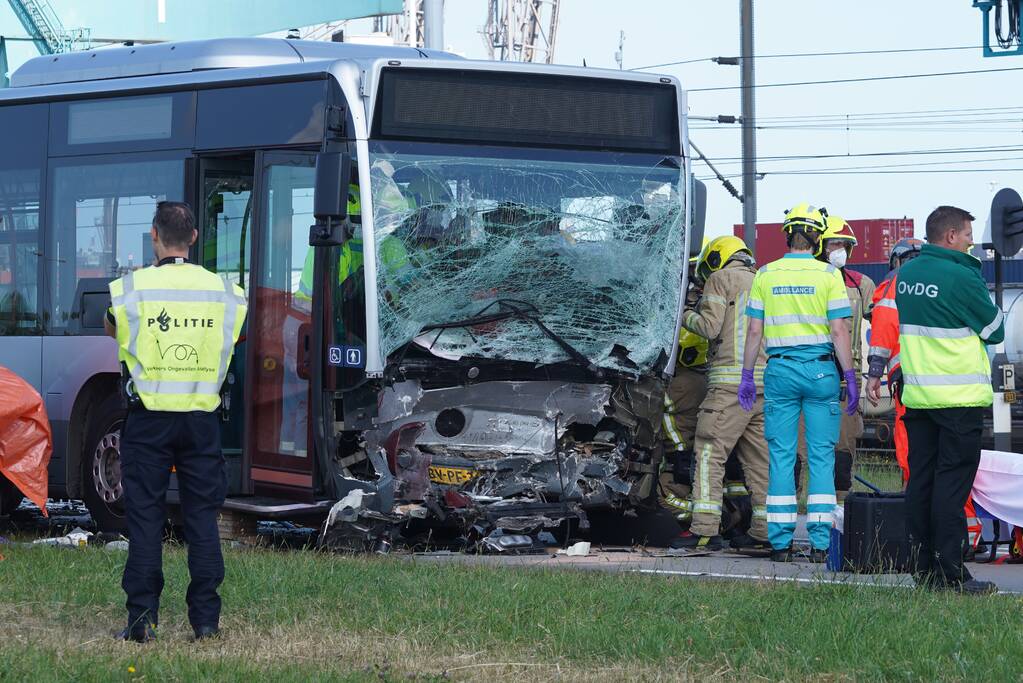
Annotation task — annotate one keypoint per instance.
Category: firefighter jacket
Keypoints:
(720, 317)
(796, 297)
(884, 330)
(860, 290)
(176, 330)
(946, 316)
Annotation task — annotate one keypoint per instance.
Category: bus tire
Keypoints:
(102, 489)
(10, 497)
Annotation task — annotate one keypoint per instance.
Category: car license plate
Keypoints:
(452, 476)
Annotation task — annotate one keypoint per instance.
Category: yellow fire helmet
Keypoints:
(839, 230)
(718, 252)
(693, 260)
(692, 351)
(804, 217)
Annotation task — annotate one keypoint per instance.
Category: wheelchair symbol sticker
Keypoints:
(335, 355)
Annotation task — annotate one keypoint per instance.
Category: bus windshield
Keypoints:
(540, 256)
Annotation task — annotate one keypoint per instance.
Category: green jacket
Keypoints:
(946, 316)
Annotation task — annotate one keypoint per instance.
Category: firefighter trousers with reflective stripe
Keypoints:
(681, 405)
(809, 388)
(152, 442)
(722, 426)
(944, 453)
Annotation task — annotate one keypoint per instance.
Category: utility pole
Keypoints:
(749, 140)
(620, 55)
(433, 24)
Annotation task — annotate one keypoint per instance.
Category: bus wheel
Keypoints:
(101, 467)
(10, 497)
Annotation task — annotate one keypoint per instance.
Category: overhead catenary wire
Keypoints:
(887, 153)
(864, 79)
(724, 181)
(842, 53)
(902, 171)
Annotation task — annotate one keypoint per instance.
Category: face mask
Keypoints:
(837, 258)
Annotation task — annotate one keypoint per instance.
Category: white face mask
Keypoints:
(837, 258)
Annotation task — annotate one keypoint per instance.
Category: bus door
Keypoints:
(225, 215)
(279, 440)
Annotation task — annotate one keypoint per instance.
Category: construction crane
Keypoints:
(45, 28)
(407, 28)
(521, 30)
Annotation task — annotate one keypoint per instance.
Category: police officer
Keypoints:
(797, 308)
(176, 325)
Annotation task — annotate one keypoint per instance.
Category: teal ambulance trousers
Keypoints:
(810, 387)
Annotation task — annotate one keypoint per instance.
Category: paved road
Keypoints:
(721, 565)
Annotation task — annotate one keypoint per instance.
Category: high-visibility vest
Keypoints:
(796, 297)
(392, 255)
(177, 325)
(946, 317)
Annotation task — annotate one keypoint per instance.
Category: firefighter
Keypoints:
(176, 325)
(884, 352)
(797, 308)
(727, 268)
(946, 319)
(681, 403)
(836, 247)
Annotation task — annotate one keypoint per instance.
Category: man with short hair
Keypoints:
(176, 325)
(946, 316)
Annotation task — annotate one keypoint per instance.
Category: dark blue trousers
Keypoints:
(151, 442)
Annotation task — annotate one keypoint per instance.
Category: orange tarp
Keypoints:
(25, 439)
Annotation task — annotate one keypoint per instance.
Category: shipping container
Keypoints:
(1012, 271)
(875, 238)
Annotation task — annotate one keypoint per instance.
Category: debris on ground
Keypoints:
(77, 538)
(580, 549)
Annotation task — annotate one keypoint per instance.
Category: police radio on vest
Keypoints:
(918, 289)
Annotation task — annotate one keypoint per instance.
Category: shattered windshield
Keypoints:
(524, 255)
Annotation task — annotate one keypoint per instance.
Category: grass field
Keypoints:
(308, 616)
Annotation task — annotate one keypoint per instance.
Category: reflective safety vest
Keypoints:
(946, 316)
(177, 325)
(392, 255)
(796, 297)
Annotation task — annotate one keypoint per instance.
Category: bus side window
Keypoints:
(100, 216)
(23, 141)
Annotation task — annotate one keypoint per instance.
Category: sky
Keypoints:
(864, 128)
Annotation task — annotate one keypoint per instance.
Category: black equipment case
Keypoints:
(874, 532)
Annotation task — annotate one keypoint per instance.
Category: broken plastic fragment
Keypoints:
(580, 549)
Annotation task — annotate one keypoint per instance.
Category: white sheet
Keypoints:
(998, 487)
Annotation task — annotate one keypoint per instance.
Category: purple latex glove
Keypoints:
(852, 394)
(747, 390)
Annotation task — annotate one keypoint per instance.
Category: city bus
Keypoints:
(463, 277)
